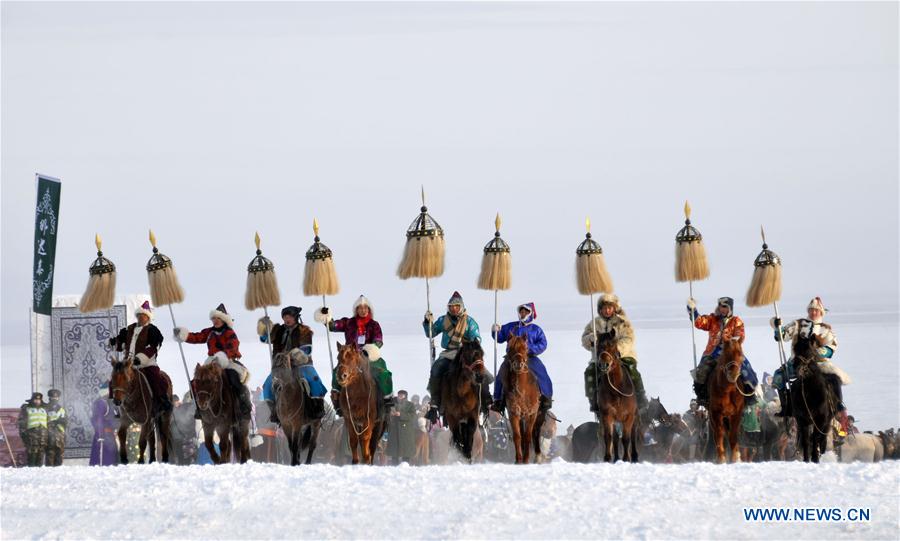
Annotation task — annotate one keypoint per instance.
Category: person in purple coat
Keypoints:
(104, 451)
(537, 344)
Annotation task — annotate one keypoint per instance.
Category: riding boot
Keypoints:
(163, 404)
(336, 402)
(273, 415)
(835, 382)
(546, 403)
(592, 400)
(701, 392)
(433, 413)
(486, 399)
(434, 388)
(498, 406)
(242, 393)
(317, 407)
(785, 404)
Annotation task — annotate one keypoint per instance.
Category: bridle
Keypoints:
(208, 407)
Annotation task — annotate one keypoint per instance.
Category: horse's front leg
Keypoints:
(608, 427)
(208, 432)
(365, 441)
(123, 444)
(151, 441)
(635, 436)
(626, 440)
(734, 429)
(471, 427)
(242, 432)
(225, 445)
(516, 425)
(142, 443)
(162, 428)
(313, 442)
(528, 439)
(354, 443)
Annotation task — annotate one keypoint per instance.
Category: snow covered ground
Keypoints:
(558, 500)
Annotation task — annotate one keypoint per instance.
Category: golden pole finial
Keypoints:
(687, 210)
(587, 224)
(497, 222)
(97, 241)
(315, 227)
(152, 239)
(256, 240)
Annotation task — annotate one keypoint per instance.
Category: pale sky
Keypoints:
(208, 122)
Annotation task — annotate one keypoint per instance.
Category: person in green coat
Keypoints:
(402, 430)
(33, 428)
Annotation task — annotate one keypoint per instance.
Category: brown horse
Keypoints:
(219, 414)
(616, 400)
(461, 395)
(131, 391)
(726, 402)
(292, 406)
(359, 399)
(523, 400)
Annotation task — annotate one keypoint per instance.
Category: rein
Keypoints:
(344, 387)
(605, 369)
(809, 411)
(736, 378)
(129, 398)
(208, 407)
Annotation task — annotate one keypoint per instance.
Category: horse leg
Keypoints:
(734, 428)
(365, 441)
(225, 455)
(162, 428)
(608, 427)
(210, 445)
(527, 440)
(635, 431)
(718, 426)
(354, 444)
(242, 431)
(471, 427)
(123, 444)
(536, 436)
(151, 440)
(142, 444)
(516, 424)
(313, 441)
(626, 440)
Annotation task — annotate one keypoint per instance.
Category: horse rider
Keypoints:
(141, 342)
(611, 317)
(361, 329)
(293, 338)
(812, 325)
(222, 347)
(526, 328)
(722, 325)
(32, 424)
(57, 420)
(455, 327)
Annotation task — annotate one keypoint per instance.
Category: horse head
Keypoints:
(120, 379)
(732, 357)
(348, 366)
(517, 354)
(607, 349)
(207, 383)
(471, 356)
(281, 370)
(656, 411)
(806, 353)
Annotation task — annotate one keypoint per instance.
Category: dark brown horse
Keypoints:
(523, 400)
(461, 395)
(812, 400)
(616, 400)
(359, 399)
(726, 401)
(131, 391)
(219, 414)
(292, 406)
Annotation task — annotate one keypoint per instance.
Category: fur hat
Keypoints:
(456, 300)
(728, 302)
(532, 312)
(817, 304)
(292, 310)
(609, 298)
(36, 396)
(144, 309)
(371, 352)
(362, 300)
(222, 314)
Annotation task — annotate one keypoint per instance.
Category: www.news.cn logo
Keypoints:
(806, 514)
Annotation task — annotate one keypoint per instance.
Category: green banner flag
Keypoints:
(46, 227)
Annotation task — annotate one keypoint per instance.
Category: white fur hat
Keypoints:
(372, 352)
(363, 300)
(817, 304)
(222, 314)
(144, 309)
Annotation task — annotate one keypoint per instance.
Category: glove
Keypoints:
(263, 326)
(325, 310)
(429, 317)
(495, 328)
(691, 304)
(177, 333)
(112, 341)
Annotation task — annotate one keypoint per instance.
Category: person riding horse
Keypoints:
(611, 317)
(141, 342)
(365, 332)
(456, 327)
(813, 325)
(722, 325)
(222, 347)
(292, 338)
(537, 344)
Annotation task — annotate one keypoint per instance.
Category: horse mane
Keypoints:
(211, 369)
(518, 346)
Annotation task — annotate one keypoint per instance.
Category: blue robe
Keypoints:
(537, 344)
(316, 387)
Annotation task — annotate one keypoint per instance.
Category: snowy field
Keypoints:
(553, 501)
